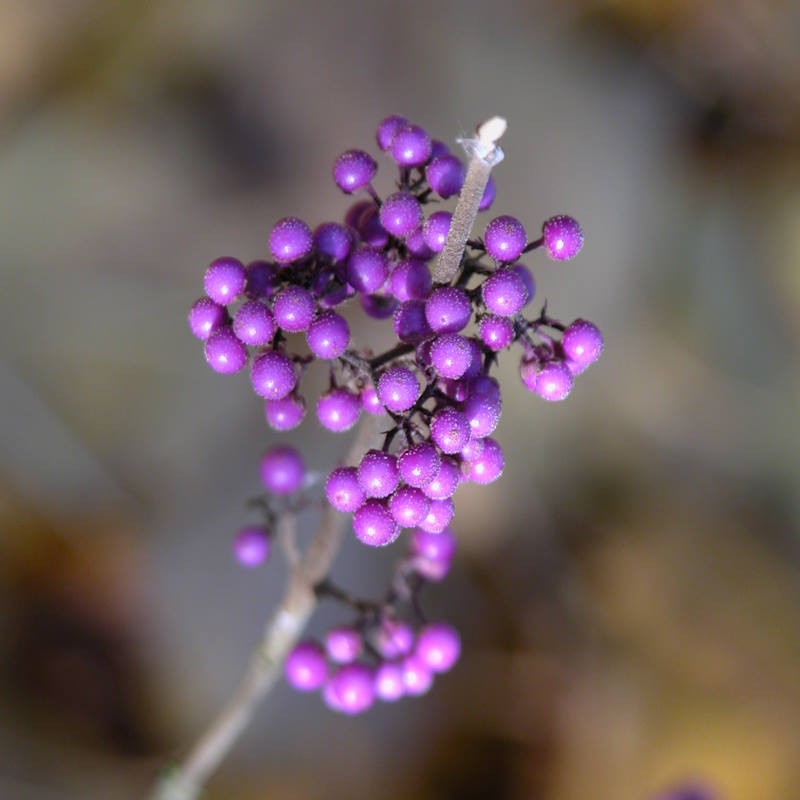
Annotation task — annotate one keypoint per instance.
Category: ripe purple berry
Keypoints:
(290, 240)
(448, 309)
(410, 323)
(440, 515)
(563, 237)
(400, 214)
(419, 464)
(343, 490)
(435, 230)
(353, 170)
(225, 280)
(205, 317)
(367, 269)
(504, 293)
(439, 646)
(394, 638)
(410, 280)
(551, 381)
(351, 690)
(505, 238)
(496, 333)
(377, 473)
(254, 324)
(432, 553)
(285, 414)
(417, 676)
(261, 279)
(411, 146)
(387, 129)
(389, 684)
(446, 481)
(224, 352)
(282, 469)
(293, 309)
(333, 241)
(398, 389)
(251, 546)
(272, 375)
(328, 335)
(451, 355)
(489, 193)
(450, 430)
(374, 525)
(343, 645)
(445, 175)
(488, 466)
(306, 667)
(582, 343)
(338, 410)
(409, 506)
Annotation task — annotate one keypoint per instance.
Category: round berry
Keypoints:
(333, 241)
(582, 343)
(254, 324)
(416, 245)
(282, 469)
(435, 230)
(353, 215)
(451, 355)
(378, 306)
(205, 317)
(398, 389)
(306, 667)
(445, 175)
(435, 547)
(417, 676)
(446, 481)
(496, 333)
(527, 278)
(400, 214)
(285, 414)
(343, 645)
(224, 352)
(290, 240)
(504, 293)
(272, 375)
(370, 230)
(411, 146)
(338, 410)
(351, 690)
(343, 490)
(483, 412)
(409, 506)
(293, 309)
(553, 381)
(370, 401)
(367, 269)
(409, 322)
(440, 515)
(262, 277)
(439, 646)
(448, 309)
(488, 466)
(328, 335)
(394, 638)
(251, 546)
(505, 238)
(419, 464)
(410, 280)
(387, 129)
(377, 473)
(450, 430)
(225, 280)
(353, 170)
(374, 525)
(563, 237)
(389, 684)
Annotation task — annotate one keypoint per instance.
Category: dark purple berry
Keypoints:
(356, 211)
(225, 280)
(224, 352)
(351, 690)
(488, 466)
(527, 278)
(401, 214)
(417, 247)
(409, 322)
(451, 355)
(370, 401)
(370, 230)
(374, 525)
(293, 309)
(483, 412)
(440, 515)
(333, 241)
(262, 277)
(582, 343)
(409, 506)
(343, 645)
(489, 193)
(505, 238)
(417, 676)
(367, 269)
(272, 375)
(410, 280)
(290, 240)
(378, 306)
(446, 481)
(552, 381)
(353, 170)
(445, 175)
(389, 682)
(205, 317)
(394, 638)
(328, 335)
(435, 230)
(251, 546)
(411, 146)
(563, 237)
(282, 469)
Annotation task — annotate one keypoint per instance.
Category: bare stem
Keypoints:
(484, 153)
(282, 631)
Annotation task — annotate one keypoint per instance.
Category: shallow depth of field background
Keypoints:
(628, 592)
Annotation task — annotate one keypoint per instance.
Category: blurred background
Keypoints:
(628, 593)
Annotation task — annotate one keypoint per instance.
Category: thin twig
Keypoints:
(282, 631)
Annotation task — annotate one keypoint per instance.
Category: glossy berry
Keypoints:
(262, 277)
(293, 309)
(416, 246)
(377, 473)
(332, 241)
(370, 401)
(353, 170)
(446, 481)
(370, 230)
(290, 240)
(483, 412)
(417, 676)
(582, 344)
(205, 317)
(254, 324)
(374, 525)
(496, 333)
(409, 506)
(225, 280)
(410, 280)
(285, 414)
(343, 645)
(328, 335)
(435, 230)
(306, 668)
(389, 684)
(438, 547)
(505, 238)
(338, 409)
(409, 322)
(445, 175)
(282, 470)
(411, 146)
(343, 490)
(394, 638)
(451, 355)
(527, 278)
(450, 430)
(351, 689)
(387, 129)
(272, 375)
(553, 381)
(488, 466)
(367, 269)
(504, 293)
(224, 352)
(400, 214)
(563, 237)
(448, 309)
(438, 646)
(251, 546)
(398, 389)
(419, 464)
(440, 515)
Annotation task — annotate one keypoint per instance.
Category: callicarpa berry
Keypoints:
(261, 279)
(488, 466)
(351, 689)
(446, 481)
(410, 280)
(435, 230)
(582, 344)
(205, 317)
(417, 676)
(394, 638)
(377, 473)
(285, 414)
(489, 194)
(389, 682)
(378, 306)
(367, 269)
(451, 355)
(370, 401)
(439, 516)
(282, 469)
(328, 335)
(504, 293)
(419, 464)
(398, 389)
(411, 146)
(387, 130)
(254, 324)
(290, 240)
(306, 668)
(438, 646)
(373, 524)
(225, 280)
(409, 506)
(353, 170)
(332, 241)
(370, 229)
(409, 322)
(338, 409)
(450, 430)
(343, 645)
(496, 333)
(400, 214)
(251, 546)
(563, 237)
(505, 238)
(272, 375)
(293, 309)
(224, 352)
(448, 309)
(417, 246)
(343, 490)
(553, 381)
(445, 175)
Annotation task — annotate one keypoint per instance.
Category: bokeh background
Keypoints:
(628, 593)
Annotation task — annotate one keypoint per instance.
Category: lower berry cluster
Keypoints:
(433, 386)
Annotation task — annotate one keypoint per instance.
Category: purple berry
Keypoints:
(285, 414)
(416, 245)
(224, 352)
(410, 280)
(445, 175)
(338, 410)
(261, 279)
(505, 238)
(225, 280)
(435, 230)
(394, 638)
(351, 690)
(483, 412)
(527, 278)
(387, 130)
(496, 333)
(411, 146)
(417, 676)
(436, 547)
(440, 515)
(343, 490)
(398, 389)
(419, 464)
(374, 525)
(378, 306)
(367, 269)
(451, 355)
(356, 211)
(282, 469)
(410, 323)
(343, 645)
(205, 317)
(472, 450)
(439, 646)
(254, 324)
(489, 193)
(370, 401)
(377, 473)
(448, 309)
(272, 375)
(553, 381)
(251, 546)
(450, 430)
(409, 506)
(370, 230)
(401, 214)
(488, 466)
(389, 684)
(306, 667)
(446, 481)
(333, 241)
(353, 170)
(582, 343)
(504, 293)
(293, 309)
(563, 237)
(290, 240)
(328, 335)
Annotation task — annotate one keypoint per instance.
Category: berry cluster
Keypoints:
(434, 385)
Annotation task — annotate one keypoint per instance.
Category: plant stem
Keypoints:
(282, 631)
(484, 153)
